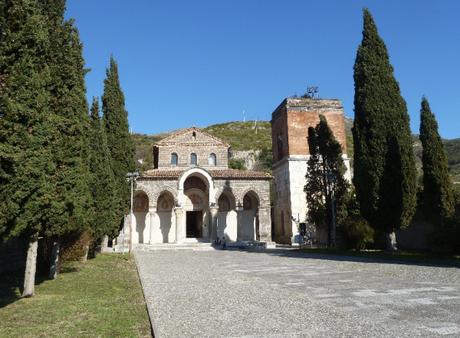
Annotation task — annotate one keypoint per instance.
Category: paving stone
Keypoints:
(283, 293)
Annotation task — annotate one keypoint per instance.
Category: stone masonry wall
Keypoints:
(184, 151)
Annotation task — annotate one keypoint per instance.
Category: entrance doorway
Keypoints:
(194, 222)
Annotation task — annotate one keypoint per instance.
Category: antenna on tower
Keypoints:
(312, 92)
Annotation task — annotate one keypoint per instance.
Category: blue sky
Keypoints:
(201, 62)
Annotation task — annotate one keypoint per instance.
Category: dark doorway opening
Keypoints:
(194, 222)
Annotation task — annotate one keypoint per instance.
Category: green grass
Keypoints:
(413, 257)
(99, 298)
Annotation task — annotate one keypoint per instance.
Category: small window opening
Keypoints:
(212, 160)
(193, 159)
(174, 159)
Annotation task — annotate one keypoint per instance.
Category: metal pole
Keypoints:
(131, 219)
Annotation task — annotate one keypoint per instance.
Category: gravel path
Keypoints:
(282, 293)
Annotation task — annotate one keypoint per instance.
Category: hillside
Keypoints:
(249, 136)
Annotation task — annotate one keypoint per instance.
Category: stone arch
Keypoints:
(140, 201)
(226, 200)
(253, 192)
(156, 195)
(249, 229)
(204, 175)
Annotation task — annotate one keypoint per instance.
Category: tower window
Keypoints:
(174, 159)
(212, 160)
(194, 136)
(193, 159)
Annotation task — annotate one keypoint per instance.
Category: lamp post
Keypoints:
(131, 177)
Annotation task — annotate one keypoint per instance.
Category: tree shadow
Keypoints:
(356, 257)
(12, 282)
(11, 286)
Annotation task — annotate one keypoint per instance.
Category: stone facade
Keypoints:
(187, 198)
(290, 123)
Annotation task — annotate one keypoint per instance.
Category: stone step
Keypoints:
(198, 246)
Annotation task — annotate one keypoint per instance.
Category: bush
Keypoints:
(236, 163)
(75, 247)
(357, 232)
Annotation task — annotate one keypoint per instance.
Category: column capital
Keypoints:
(178, 210)
(214, 210)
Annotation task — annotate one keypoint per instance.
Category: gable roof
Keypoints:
(203, 137)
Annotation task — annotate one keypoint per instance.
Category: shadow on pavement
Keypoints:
(396, 259)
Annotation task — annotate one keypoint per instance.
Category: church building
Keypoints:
(191, 195)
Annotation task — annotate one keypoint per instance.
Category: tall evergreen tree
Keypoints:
(72, 202)
(103, 185)
(119, 141)
(326, 186)
(438, 196)
(384, 164)
(27, 132)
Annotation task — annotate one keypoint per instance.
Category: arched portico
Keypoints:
(195, 214)
(248, 227)
(165, 206)
(227, 222)
(204, 176)
(140, 228)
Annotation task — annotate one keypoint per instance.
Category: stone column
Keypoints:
(265, 225)
(239, 222)
(179, 212)
(214, 210)
(152, 218)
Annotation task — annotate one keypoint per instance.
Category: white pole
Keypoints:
(131, 219)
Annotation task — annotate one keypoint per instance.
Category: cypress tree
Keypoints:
(384, 163)
(72, 202)
(121, 147)
(438, 196)
(103, 191)
(27, 132)
(326, 186)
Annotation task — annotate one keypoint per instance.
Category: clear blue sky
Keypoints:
(202, 62)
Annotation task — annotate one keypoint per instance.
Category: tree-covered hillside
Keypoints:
(251, 136)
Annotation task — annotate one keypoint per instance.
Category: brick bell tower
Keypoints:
(290, 123)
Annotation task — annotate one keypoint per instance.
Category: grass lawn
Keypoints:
(99, 298)
(399, 256)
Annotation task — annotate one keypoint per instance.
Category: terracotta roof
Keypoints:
(218, 174)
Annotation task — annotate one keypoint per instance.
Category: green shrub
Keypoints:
(236, 163)
(357, 233)
(75, 247)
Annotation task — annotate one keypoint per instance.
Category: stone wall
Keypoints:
(188, 141)
(184, 151)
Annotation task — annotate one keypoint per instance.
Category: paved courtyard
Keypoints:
(283, 293)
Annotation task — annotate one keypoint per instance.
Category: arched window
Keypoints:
(194, 136)
(212, 160)
(193, 159)
(174, 159)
